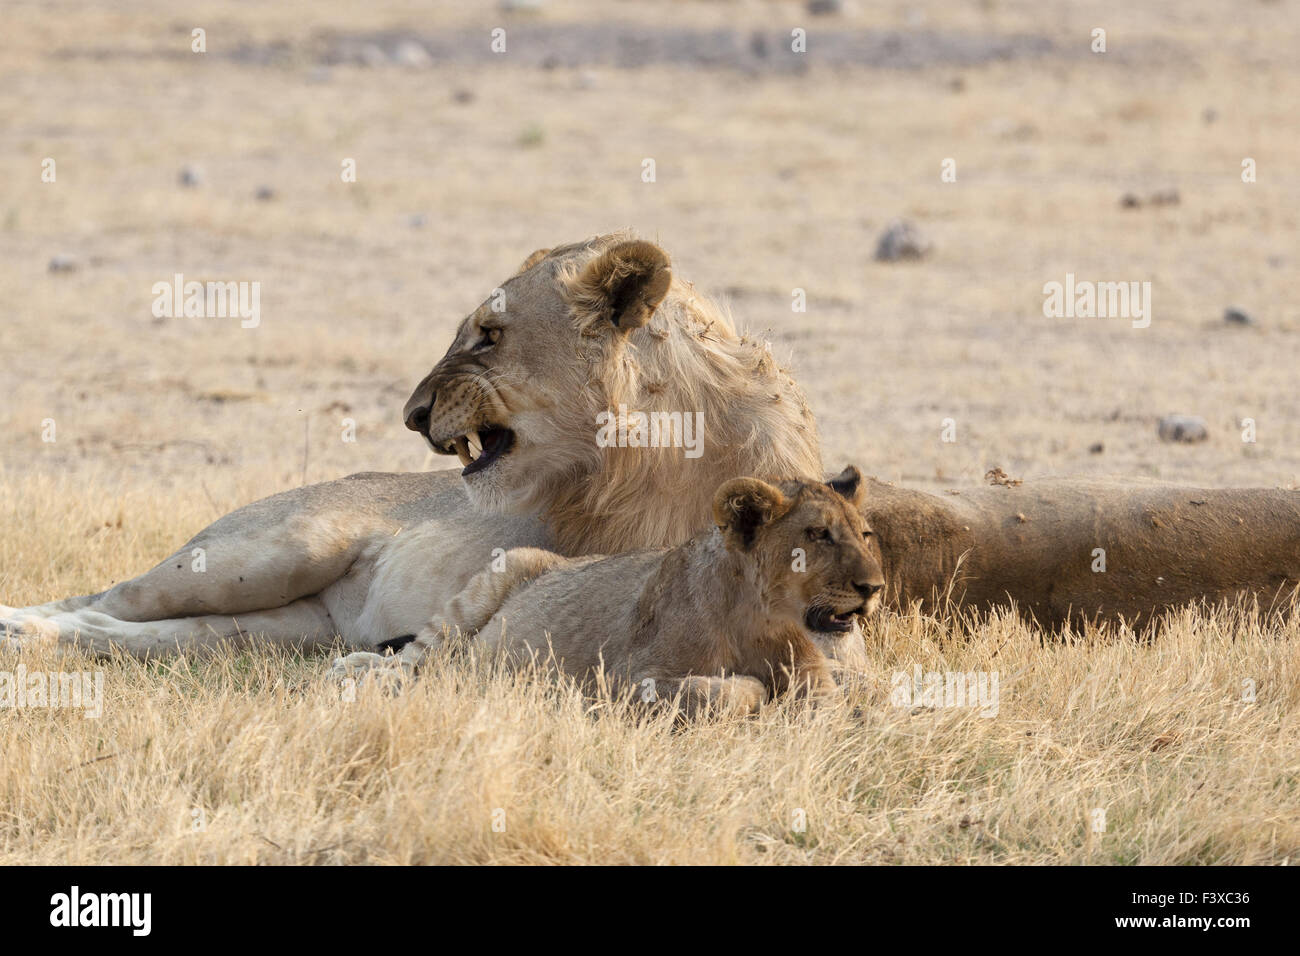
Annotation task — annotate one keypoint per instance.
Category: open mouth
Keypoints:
(478, 448)
(824, 620)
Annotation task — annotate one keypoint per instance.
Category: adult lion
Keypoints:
(603, 325)
(767, 602)
(1075, 550)
(580, 330)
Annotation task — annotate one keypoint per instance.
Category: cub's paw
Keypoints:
(354, 665)
(364, 669)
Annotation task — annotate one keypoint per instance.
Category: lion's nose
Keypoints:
(417, 419)
(868, 589)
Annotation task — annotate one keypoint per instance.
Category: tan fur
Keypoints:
(370, 557)
(1069, 551)
(564, 357)
(593, 325)
(721, 620)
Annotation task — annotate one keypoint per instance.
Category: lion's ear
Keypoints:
(535, 258)
(624, 284)
(848, 484)
(743, 505)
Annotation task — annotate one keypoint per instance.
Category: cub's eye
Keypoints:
(818, 534)
(490, 337)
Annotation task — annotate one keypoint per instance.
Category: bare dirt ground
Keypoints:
(774, 171)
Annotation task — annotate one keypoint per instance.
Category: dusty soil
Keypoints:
(775, 171)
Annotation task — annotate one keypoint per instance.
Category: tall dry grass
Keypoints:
(253, 757)
(768, 183)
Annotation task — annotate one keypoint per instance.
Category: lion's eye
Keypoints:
(818, 534)
(490, 337)
(867, 534)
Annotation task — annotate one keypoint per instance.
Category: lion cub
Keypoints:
(768, 602)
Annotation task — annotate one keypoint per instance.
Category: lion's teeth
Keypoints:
(475, 445)
(462, 450)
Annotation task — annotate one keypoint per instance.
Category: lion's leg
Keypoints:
(485, 594)
(707, 696)
(812, 677)
(263, 555)
(53, 607)
(243, 569)
(304, 623)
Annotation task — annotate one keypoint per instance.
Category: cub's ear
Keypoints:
(848, 484)
(743, 505)
(623, 285)
(532, 260)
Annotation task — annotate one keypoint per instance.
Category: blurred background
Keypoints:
(774, 171)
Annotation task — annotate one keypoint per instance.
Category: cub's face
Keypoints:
(512, 398)
(812, 546)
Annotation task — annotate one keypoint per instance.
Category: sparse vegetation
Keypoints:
(767, 181)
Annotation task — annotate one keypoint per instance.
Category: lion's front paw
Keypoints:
(366, 669)
(18, 634)
(354, 665)
(739, 695)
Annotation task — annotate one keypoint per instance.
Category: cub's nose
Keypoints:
(417, 419)
(868, 589)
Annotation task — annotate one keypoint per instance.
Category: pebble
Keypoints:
(1183, 428)
(901, 241)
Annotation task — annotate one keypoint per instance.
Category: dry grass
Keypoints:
(766, 183)
(253, 757)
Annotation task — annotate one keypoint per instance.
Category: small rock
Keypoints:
(63, 264)
(1237, 317)
(901, 241)
(1209, 115)
(191, 177)
(821, 8)
(521, 6)
(264, 194)
(417, 220)
(1183, 428)
(463, 95)
(411, 54)
(957, 84)
(1166, 197)
(1129, 201)
(1096, 448)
